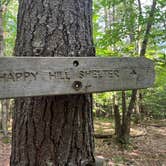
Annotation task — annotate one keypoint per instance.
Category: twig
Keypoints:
(102, 136)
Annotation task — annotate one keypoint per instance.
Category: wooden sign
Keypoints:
(39, 76)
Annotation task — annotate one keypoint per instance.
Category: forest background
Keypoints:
(119, 30)
(130, 28)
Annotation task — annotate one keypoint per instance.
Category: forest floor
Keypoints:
(147, 147)
(5, 149)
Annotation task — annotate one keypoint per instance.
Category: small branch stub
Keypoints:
(77, 85)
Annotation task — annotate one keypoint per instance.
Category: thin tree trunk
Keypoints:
(4, 103)
(5, 108)
(53, 130)
(116, 115)
(139, 27)
(124, 108)
(117, 121)
(137, 102)
(0, 118)
(142, 50)
(126, 112)
(137, 107)
(148, 28)
(106, 18)
(127, 122)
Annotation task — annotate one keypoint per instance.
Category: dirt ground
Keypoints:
(147, 148)
(5, 149)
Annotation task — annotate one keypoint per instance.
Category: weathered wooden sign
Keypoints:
(39, 76)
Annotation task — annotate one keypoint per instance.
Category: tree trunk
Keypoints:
(53, 130)
(137, 108)
(117, 116)
(148, 28)
(1, 118)
(106, 18)
(1, 31)
(117, 121)
(5, 108)
(122, 127)
(1, 50)
(125, 126)
(125, 132)
(4, 103)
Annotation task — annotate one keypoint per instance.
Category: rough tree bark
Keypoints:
(116, 115)
(1, 48)
(53, 130)
(126, 122)
(123, 123)
(5, 110)
(1, 31)
(148, 28)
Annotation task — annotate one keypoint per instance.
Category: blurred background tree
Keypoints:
(133, 28)
(8, 12)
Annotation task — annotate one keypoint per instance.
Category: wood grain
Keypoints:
(39, 76)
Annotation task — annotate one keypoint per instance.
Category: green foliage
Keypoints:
(10, 26)
(154, 102)
(6, 140)
(119, 28)
(114, 21)
(155, 98)
(102, 102)
(119, 160)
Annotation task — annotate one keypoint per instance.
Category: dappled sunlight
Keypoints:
(134, 153)
(108, 131)
(160, 131)
(103, 127)
(147, 146)
(5, 149)
(137, 131)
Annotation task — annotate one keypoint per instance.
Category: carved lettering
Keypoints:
(18, 76)
(52, 75)
(110, 73)
(3, 76)
(34, 75)
(67, 75)
(26, 75)
(59, 75)
(81, 74)
(11, 77)
(95, 74)
(114, 73)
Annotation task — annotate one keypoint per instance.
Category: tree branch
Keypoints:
(132, 102)
(148, 28)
